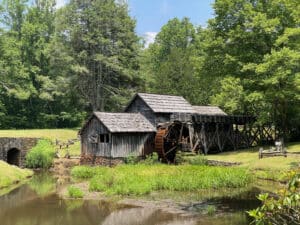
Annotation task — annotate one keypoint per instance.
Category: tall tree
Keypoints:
(170, 60)
(101, 39)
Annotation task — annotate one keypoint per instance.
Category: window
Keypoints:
(104, 138)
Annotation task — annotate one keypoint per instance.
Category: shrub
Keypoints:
(75, 192)
(285, 209)
(41, 156)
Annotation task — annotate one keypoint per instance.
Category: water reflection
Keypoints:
(24, 206)
(37, 204)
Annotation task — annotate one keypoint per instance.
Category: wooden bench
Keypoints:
(278, 150)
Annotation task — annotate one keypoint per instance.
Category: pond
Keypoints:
(36, 203)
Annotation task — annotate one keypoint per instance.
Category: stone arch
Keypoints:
(14, 156)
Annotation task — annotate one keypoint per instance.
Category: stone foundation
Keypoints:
(21, 144)
(99, 161)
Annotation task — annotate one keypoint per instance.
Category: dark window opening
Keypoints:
(13, 157)
(104, 138)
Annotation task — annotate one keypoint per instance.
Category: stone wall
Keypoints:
(22, 144)
(99, 161)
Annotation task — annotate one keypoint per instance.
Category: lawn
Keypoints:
(11, 174)
(269, 168)
(51, 134)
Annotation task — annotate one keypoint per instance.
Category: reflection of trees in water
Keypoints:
(43, 184)
(51, 210)
(145, 216)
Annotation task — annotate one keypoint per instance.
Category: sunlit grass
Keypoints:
(267, 168)
(144, 179)
(52, 134)
(11, 174)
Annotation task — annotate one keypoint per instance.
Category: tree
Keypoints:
(258, 42)
(101, 40)
(171, 62)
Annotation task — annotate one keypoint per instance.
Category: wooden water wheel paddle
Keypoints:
(167, 140)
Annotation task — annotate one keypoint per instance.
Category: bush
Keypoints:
(75, 192)
(285, 209)
(41, 156)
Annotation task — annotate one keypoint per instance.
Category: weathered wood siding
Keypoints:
(139, 106)
(127, 144)
(95, 127)
(120, 144)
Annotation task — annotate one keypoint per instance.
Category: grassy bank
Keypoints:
(10, 175)
(142, 179)
(268, 168)
(49, 134)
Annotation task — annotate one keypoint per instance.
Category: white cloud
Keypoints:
(149, 38)
(60, 3)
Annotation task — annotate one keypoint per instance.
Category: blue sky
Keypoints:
(151, 15)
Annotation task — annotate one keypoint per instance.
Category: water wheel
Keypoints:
(167, 140)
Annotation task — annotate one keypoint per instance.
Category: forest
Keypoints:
(59, 65)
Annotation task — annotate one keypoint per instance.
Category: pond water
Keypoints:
(36, 203)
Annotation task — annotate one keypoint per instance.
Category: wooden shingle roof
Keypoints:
(125, 122)
(209, 110)
(166, 103)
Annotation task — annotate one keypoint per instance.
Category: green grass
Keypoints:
(75, 192)
(143, 179)
(10, 175)
(267, 168)
(50, 134)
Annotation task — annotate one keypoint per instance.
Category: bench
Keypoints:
(278, 150)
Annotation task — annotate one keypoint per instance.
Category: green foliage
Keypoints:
(75, 192)
(285, 209)
(151, 159)
(41, 156)
(83, 172)
(231, 95)
(131, 159)
(142, 179)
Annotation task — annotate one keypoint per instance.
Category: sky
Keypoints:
(151, 15)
